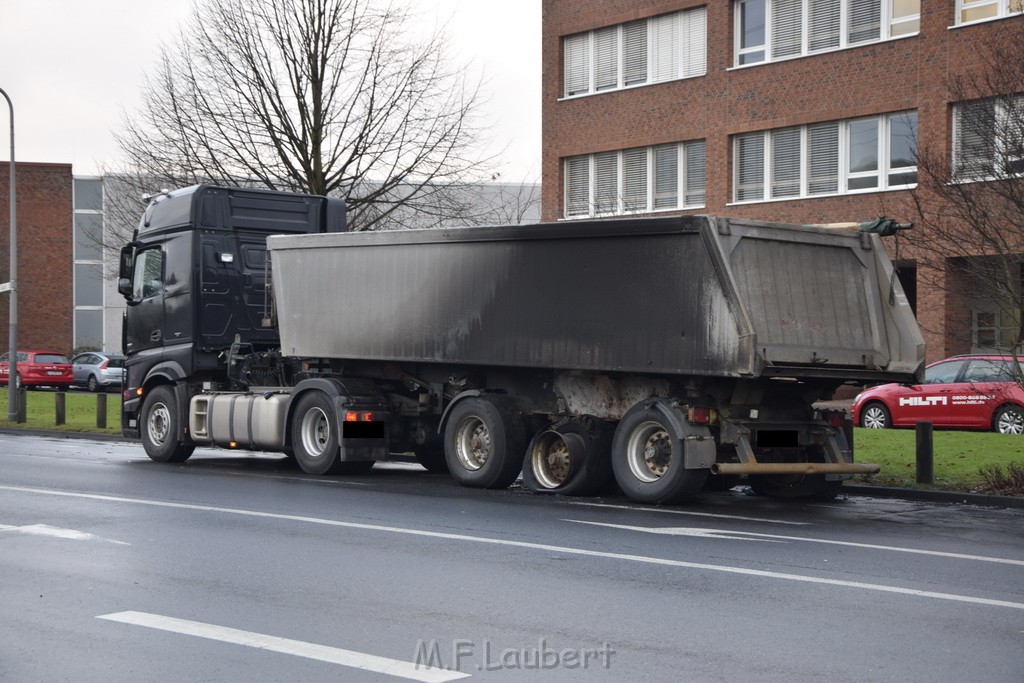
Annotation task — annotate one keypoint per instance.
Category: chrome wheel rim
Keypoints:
(552, 460)
(1011, 422)
(159, 425)
(473, 443)
(316, 432)
(874, 418)
(649, 452)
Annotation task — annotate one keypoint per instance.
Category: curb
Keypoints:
(981, 499)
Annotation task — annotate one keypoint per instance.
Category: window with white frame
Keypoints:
(835, 157)
(770, 30)
(654, 50)
(637, 180)
(988, 138)
(88, 262)
(968, 11)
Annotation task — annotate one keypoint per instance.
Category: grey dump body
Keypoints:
(684, 296)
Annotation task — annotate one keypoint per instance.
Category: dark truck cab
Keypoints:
(195, 276)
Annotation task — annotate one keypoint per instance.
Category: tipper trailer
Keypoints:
(662, 354)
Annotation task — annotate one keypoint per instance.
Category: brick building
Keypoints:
(806, 111)
(61, 288)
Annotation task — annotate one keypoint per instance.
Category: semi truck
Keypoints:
(661, 355)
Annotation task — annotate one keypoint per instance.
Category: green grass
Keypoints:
(957, 462)
(80, 412)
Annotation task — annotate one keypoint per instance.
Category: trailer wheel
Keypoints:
(647, 459)
(431, 457)
(484, 440)
(315, 434)
(161, 427)
(571, 459)
(797, 485)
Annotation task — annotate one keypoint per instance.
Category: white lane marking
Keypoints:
(298, 648)
(57, 532)
(752, 536)
(689, 513)
(194, 468)
(728, 569)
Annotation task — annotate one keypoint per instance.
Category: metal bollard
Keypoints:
(61, 406)
(22, 394)
(101, 410)
(925, 453)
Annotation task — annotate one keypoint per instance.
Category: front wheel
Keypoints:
(484, 440)
(1009, 420)
(647, 460)
(875, 416)
(162, 427)
(797, 485)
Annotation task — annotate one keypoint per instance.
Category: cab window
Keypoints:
(149, 268)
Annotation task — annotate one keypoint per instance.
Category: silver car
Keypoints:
(98, 371)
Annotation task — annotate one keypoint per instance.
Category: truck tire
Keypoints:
(161, 426)
(570, 459)
(647, 460)
(797, 485)
(484, 441)
(431, 456)
(314, 434)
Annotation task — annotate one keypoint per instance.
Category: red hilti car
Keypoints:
(38, 369)
(963, 392)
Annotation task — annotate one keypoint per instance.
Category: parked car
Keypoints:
(962, 392)
(38, 369)
(97, 371)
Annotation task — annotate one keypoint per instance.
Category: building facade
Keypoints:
(67, 300)
(805, 111)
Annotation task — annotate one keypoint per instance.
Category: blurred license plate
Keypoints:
(56, 373)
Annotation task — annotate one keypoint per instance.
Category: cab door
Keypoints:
(144, 329)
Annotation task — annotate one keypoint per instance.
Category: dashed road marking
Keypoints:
(298, 648)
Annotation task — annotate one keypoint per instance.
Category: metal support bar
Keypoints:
(794, 468)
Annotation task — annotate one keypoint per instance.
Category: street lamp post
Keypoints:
(12, 362)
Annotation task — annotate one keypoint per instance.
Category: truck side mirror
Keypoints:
(124, 287)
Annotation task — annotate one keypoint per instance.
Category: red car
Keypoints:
(38, 369)
(962, 392)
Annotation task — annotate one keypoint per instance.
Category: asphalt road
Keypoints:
(236, 567)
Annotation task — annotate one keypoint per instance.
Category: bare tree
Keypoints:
(339, 97)
(969, 240)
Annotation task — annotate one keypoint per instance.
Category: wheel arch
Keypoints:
(470, 393)
(1004, 404)
(866, 404)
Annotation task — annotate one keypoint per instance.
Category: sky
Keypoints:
(71, 67)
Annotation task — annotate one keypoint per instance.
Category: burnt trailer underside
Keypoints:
(685, 296)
